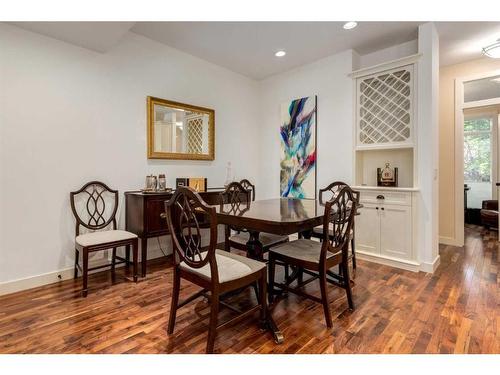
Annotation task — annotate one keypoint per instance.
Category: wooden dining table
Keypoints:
(283, 216)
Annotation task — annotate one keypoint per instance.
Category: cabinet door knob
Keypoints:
(382, 208)
(376, 208)
(380, 196)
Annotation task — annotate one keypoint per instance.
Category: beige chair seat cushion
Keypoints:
(103, 237)
(267, 239)
(302, 249)
(319, 230)
(230, 266)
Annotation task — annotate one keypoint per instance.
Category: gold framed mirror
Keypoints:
(180, 131)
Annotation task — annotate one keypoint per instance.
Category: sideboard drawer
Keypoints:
(154, 220)
(387, 197)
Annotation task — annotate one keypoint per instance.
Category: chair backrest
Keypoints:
(236, 198)
(94, 206)
(184, 212)
(333, 189)
(338, 221)
(249, 186)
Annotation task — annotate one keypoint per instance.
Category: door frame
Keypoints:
(460, 106)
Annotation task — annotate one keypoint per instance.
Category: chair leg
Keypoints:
(353, 253)
(272, 266)
(135, 256)
(127, 257)
(113, 263)
(174, 302)
(77, 259)
(214, 314)
(324, 298)
(255, 287)
(263, 301)
(85, 272)
(347, 283)
(227, 234)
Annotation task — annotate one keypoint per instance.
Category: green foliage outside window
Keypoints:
(477, 150)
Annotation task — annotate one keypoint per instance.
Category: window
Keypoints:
(478, 160)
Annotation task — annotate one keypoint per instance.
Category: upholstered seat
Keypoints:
(267, 239)
(302, 249)
(319, 231)
(103, 237)
(230, 266)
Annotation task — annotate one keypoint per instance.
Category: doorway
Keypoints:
(477, 106)
(480, 162)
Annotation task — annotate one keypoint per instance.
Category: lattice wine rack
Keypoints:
(385, 108)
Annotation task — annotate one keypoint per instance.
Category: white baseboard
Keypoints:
(13, 286)
(388, 261)
(431, 267)
(449, 241)
(18, 285)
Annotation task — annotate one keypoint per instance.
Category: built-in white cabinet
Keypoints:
(384, 228)
(385, 133)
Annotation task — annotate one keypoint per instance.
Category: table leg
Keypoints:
(273, 329)
(144, 255)
(255, 249)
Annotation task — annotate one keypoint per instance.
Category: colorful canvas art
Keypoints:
(298, 148)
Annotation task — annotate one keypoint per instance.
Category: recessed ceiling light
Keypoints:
(280, 54)
(350, 25)
(493, 50)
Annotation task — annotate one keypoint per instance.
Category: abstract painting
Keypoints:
(298, 148)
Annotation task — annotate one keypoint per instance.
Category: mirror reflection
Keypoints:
(179, 131)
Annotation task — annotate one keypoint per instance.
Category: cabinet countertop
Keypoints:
(386, 188)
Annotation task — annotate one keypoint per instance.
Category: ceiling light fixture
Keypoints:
(280, 54)
(350, 25)
(493, 50)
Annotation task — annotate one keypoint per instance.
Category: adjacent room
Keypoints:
(249, 187)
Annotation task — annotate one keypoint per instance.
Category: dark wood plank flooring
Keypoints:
(456, 310)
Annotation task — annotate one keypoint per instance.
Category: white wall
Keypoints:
(70, 115)
(387, 54)
(428, 151)
(328, 79)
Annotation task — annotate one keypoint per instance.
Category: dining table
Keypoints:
(282, 216)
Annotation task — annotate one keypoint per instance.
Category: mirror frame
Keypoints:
(152, 154)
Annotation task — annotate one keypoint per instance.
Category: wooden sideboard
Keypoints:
(143, 215)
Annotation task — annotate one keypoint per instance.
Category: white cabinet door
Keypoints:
(395, 231)
(368, 229)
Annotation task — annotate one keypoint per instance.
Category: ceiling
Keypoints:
(248, 47)
(463, 41)
(97, 36)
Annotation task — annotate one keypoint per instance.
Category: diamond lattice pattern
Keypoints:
(195, 136)
(385, 108)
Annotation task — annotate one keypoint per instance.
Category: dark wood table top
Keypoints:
(279, 216)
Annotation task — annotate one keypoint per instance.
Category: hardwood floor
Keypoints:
(456, 310)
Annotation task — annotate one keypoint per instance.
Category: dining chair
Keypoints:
(237, 194)
(94, 206)
(332, 190)
(316, 258)
(215, 271)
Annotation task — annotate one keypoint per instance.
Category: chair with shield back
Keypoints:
(326, 194)
(236, 194)
(316, 258)
(94, 206)
(215, 271)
